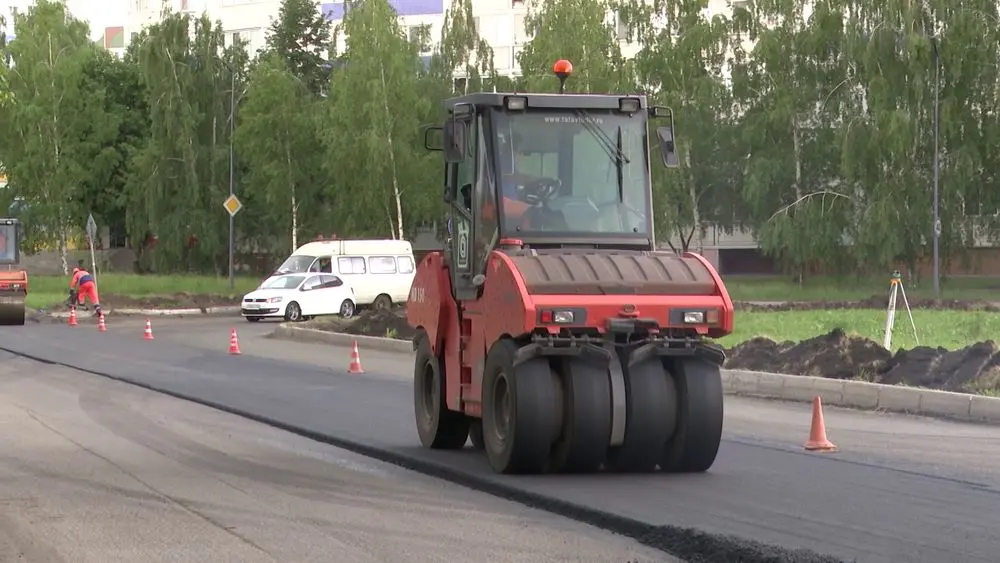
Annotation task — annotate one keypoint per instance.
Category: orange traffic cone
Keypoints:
(148, 333)
(101, 327)
(355, 366)
(818, 441)
(72, 316)
(234, 344)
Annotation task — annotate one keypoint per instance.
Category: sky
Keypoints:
(98, 13)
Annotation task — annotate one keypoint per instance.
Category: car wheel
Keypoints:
(382, 302)
(347, 309)
(293, 313)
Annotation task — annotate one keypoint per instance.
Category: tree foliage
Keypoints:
(811, 124)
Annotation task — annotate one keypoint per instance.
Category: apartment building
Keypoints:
(500, 22)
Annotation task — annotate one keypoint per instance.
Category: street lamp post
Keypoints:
(937, 171)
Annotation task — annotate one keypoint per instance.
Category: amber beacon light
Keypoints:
(562, 68)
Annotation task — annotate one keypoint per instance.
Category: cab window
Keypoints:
(311, 283)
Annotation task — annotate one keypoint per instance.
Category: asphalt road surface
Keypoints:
(901, 489)
(94, 470)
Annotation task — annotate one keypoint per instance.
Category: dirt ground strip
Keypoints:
(873, 302)
(837, 355)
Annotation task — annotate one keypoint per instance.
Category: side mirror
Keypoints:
(668, 150)
(433, 140)
(454, 141)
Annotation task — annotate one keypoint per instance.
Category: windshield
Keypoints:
(8, 242)
(283, 282)
(573, 172)
(296, 264)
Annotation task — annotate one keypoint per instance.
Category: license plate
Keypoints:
(252, 306)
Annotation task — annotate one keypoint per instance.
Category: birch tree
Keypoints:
(278, 141)
(57, 124)
(582, 31)
(682, 65)
(181, 174)
(374, 119)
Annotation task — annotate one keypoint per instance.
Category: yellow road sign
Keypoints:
(232, 205)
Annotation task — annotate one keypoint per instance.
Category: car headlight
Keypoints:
(274, 300)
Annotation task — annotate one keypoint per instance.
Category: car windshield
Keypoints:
(574, 172)
(283, 282)
(296, 264)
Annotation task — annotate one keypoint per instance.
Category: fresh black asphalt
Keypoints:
(753, 498)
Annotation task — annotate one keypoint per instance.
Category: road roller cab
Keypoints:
(550, 330)
(13, 281)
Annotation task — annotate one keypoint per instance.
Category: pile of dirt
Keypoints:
(835, 355)
(838, 355)
(873, 302)
(383, 323)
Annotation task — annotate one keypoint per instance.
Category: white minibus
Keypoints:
(380, 271)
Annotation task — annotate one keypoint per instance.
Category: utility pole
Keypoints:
(232, 169)
(937, 170)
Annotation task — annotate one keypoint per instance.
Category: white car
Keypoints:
(297, 297)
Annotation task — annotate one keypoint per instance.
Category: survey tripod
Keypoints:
(896, 289)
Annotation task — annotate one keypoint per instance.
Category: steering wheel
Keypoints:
(541, 190)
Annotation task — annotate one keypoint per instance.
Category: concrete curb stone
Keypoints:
(152, 312)
(839, 392)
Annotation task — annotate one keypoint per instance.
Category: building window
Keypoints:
(621, 28)
(420, 35)
(520, 32)
(503, 58)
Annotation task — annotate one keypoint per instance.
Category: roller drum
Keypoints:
(12, 308)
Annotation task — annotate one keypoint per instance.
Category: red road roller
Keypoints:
(550, 331)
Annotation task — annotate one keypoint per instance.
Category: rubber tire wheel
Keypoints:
(293, 307)
(349, 305)
(382, 303)
(476, 433)
(253, 319)
(533, 423)
(695, 444)
(650, 417)
(586, 418)
(438, 427)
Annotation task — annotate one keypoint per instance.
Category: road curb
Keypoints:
(864, 395)
(799, 388)
(153, 312)
(300, 334)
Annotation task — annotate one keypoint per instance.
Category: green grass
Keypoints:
(949, 329)
(772, 288)
(44, 291)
